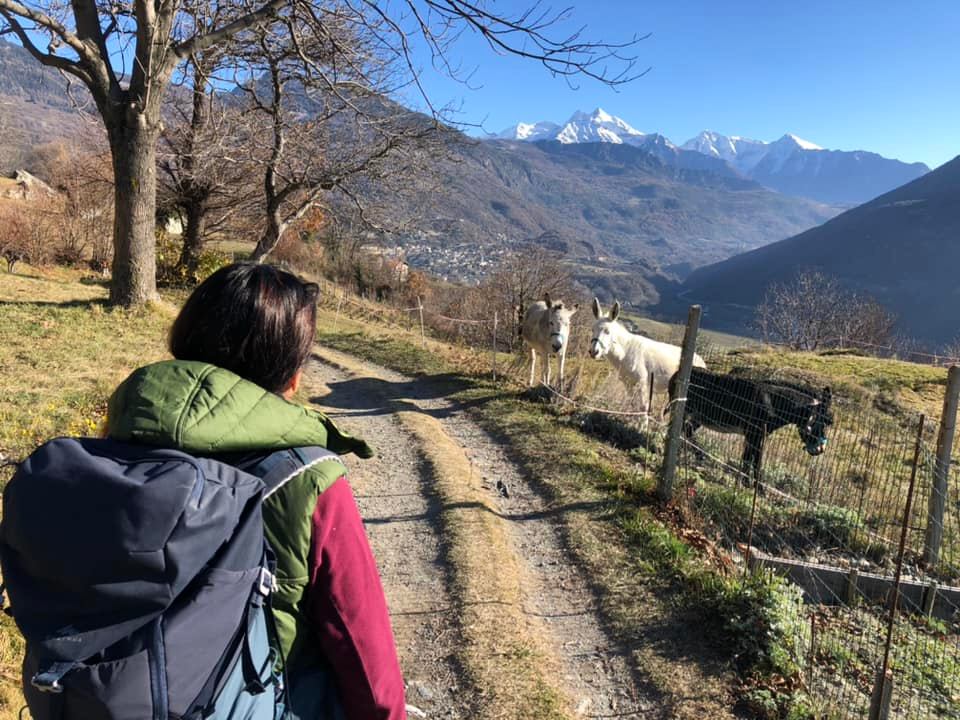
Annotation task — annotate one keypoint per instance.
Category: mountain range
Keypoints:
(790, 165)
(616, 201)
(900, 248)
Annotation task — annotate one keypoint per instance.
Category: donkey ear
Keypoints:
(546, 298)
(597, 312)
(826, 395)
(615, 312)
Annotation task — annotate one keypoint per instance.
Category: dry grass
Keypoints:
(62, 350)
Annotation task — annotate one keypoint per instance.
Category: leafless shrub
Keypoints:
(28, 231)
(814, 312)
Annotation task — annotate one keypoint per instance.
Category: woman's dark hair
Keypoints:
(256, 320)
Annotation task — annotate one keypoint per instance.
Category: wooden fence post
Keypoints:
(881, 696)
(495, 318)
(423, 335)
(669, 469)
(336, 320)
(941, 474)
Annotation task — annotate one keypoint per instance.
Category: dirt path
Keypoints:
(402, 507)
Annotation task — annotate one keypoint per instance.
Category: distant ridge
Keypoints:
(903, 248)
(36, 105)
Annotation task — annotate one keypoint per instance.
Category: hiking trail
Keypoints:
(424, 443)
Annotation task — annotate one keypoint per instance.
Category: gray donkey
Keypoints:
(546, 329)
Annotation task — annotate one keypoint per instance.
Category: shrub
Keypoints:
(301, 252)
(761, 616)
(829, 524)
(170, 273)
(28, 231)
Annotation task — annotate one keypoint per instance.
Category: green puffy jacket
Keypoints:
(208, 411)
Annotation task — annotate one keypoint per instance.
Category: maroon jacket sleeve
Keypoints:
(348, 610)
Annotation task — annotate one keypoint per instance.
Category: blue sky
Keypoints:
(846, 74)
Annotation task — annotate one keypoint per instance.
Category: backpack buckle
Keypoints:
(267, 583)
(48, 681)
(45, 686)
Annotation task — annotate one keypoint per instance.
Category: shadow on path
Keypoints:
(373, 396)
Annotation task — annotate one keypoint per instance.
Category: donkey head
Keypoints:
(558, 318)
(813, 430)
(603, 329)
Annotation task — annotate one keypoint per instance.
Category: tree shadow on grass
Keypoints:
(93, 302)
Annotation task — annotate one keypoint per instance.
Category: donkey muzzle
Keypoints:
(817, 447)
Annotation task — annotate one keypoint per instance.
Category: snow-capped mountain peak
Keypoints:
(598, 126)
(530, 131)
(743, 153)
(799, 142)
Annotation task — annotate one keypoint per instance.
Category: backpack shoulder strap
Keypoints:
(278, 468)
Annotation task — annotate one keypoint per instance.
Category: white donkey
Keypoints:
(636, 358)
(546, 328)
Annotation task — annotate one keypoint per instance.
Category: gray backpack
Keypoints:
(141, 581)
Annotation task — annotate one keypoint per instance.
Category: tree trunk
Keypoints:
(270, 237)
(133, 147)
(193, 234)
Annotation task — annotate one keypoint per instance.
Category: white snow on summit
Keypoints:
(741, 153)
(803, 144)
(598, 126)
(530, 131)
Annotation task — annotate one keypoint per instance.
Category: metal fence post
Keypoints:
(883, 686)
(941, 475)
(678, 407)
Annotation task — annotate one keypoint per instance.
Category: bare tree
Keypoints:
(84, 182)
(334, 139)
(814, 312)
(204, 178)
(521, 278)
(126, 53)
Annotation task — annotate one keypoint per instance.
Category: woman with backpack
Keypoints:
(240, 344)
